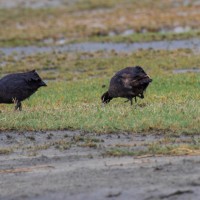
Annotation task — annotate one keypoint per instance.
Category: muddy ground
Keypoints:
(74, 165)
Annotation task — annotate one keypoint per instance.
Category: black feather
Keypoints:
(15, 88)
(130, 82)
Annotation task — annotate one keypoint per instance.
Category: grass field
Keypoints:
(72, 99)
(171, 103)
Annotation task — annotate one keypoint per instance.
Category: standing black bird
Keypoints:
(14, 88)
(130, 82)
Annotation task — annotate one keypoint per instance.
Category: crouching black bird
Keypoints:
(15, 88)
(130, 82)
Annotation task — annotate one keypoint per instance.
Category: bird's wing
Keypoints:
(140, 81)
(130, 81)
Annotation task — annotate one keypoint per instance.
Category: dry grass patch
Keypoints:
(86, 19)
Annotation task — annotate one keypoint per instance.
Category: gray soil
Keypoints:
(73, 165)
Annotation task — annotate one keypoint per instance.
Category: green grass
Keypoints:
(72, 100)
(81, 66)
(171, 105)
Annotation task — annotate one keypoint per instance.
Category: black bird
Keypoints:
(14, 88)
(130, 82)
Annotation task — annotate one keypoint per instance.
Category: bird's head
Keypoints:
(35, 80)
(106, 98)
(141, 74)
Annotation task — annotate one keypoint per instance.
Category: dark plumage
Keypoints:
(130, 82)
(14, 88)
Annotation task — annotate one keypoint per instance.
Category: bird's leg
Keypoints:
(131, 100)
(135, 102)
(18, 106)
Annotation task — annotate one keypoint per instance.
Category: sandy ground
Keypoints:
(42, 166)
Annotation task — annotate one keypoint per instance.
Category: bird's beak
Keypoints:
(42, 83)
(149, 78)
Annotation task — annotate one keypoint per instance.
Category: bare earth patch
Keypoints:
(74, 165)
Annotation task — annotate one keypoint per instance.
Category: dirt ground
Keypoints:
(67, 165)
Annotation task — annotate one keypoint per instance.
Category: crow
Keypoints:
(15, 88)
(130, 82)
